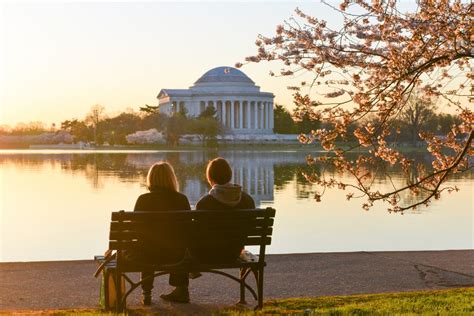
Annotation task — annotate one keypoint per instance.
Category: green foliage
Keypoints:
(209, 111)
(207, 127)
(154, 120)
(283, 122)
(149, 109)
(78, 129)
(176, 126)
(115, 129)
(305, 124)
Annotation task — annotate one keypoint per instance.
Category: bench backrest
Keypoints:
(191, 229)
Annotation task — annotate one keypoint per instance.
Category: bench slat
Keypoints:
(194, 233)
(137, 216)
(199, 243)
(221, 224)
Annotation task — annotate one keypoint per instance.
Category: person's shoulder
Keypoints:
(167, 193)
(246, 201)
(204, 202)
(204, 199)
(175, 193)
(143, 202)
(181, 196)
(246, 196)
(144, 196)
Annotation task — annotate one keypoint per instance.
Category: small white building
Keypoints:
(241, 107)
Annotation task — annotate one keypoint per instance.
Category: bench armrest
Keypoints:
(104, 260)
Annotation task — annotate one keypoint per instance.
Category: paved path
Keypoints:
(69, 284)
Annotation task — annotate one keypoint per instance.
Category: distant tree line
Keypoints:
(420, 115)
(98, 128)
(113, 130)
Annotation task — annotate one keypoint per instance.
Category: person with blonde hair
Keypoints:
(164, 196)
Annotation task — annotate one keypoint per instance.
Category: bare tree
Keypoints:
(94, 117)
(417, 113)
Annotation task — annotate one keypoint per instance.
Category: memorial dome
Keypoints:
(240, 106)
(224, 75)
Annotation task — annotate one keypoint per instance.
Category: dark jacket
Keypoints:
(162, 201)
(209, 202)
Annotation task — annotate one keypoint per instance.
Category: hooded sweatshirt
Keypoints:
(225, 196)
(229, 194)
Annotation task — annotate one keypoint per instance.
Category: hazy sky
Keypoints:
(58, 59)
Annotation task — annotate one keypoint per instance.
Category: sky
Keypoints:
(58, 59)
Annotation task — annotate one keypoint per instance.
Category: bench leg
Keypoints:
(105, 287)
(260, 288)
(243, 274)
(119, 307)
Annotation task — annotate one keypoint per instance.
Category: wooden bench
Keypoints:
(132, 231)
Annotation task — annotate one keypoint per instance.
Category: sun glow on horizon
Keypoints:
(58, 59)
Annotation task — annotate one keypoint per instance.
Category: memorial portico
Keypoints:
(241, 107)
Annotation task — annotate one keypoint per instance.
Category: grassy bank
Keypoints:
(445, 302)
(442, 302)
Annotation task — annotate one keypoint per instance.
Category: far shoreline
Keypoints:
(254, 147)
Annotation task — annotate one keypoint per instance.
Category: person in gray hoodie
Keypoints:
(223, 195)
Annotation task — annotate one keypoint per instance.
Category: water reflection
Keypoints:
(56, 205)
(260, 173)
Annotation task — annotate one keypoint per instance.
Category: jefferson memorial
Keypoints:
(241, 107)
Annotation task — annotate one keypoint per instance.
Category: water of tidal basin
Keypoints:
(56, 205)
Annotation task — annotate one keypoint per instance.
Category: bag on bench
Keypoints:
(108, 291)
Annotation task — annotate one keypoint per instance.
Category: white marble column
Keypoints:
(271, 116)
(255, 181)
(241, 114)
(265, 175)
(241, 175)
(247, 114)
(269, 104)
(261, 115)
(267, 115)
(248, 178)
(224, 114)
(232, 113)
(255, 115)
(219, 111)
(176, 106)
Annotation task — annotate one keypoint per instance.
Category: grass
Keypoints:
(444, 302)
(441, 302)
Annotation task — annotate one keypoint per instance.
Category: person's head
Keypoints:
(218, 171)
(161, 176)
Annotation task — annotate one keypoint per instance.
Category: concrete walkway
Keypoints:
(69, 284)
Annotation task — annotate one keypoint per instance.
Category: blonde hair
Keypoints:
(161, 176)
